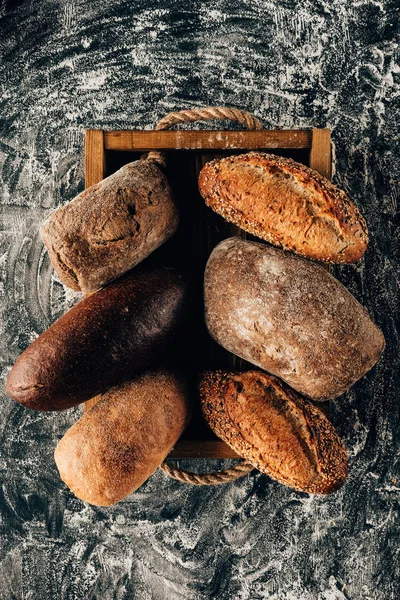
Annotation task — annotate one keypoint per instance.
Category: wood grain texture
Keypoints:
(70, 66)
(320, 153)
(95, 169)
(206, 449)
(95, 163)
(142, 141)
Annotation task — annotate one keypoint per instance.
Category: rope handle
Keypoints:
(215, 478)
(249, 121)
(210, 113)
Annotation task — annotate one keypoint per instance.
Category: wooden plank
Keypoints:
(202, 449)
(95, 169)
(321, 161)
(90, 403)
(320, 153)
(142, 141)
(95, 164)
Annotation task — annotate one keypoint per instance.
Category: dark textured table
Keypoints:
(68, 66)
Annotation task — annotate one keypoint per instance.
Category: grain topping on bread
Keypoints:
(287, 204)
(278, 431)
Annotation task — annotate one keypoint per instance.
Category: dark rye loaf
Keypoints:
(287, 204)
(111, 226)
(278, 431)
(121, 441)
(288, 316)
(109, 337)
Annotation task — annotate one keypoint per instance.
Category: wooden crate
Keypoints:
(200, 229)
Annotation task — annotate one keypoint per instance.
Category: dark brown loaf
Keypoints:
(121, 441)
(109, 337)
(111, 226)
(278, 431)
(286, 204)
(288, 316)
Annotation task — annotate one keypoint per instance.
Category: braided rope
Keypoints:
(209, 114)
(189, 116)
(202, 114)
(216, 478)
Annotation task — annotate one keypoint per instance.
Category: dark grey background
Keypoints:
(68, 66)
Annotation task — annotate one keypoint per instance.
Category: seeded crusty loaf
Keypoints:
(111, 226)
(286, 204)
(109, 337)
(278, 431)
(288, 316)
(121, 441)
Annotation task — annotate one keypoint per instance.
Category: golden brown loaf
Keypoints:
(278, 431)
(111, 226)
(121, 441)
(286, 204)
(288, 316)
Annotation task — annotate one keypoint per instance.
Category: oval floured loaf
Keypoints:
(278, 431)
(287, 204)
(111, 226)
(121, 441)
(288, 316)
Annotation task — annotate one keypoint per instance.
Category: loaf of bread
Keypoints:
(288, 316)
(121, 441)
(286, 204)
(111, 226)
(278, 431)
(107, 338)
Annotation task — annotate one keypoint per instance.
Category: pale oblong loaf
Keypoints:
(121, 441)
(278, 431)
(109, 337)
(288, 316)
(111, 226)
(287, 204)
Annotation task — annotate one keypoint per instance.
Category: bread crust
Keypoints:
(278, 431)
(289, 317)
(113, 335)
(111, 226)
(121, 441)
(287, 204)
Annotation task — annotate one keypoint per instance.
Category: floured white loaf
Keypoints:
(288, 316)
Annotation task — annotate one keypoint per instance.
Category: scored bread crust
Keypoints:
(279, 432)
(287, 204)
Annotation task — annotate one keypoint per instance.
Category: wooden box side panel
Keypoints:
(95, 153)
(321, 152)
(141, 141)
(95, 169)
